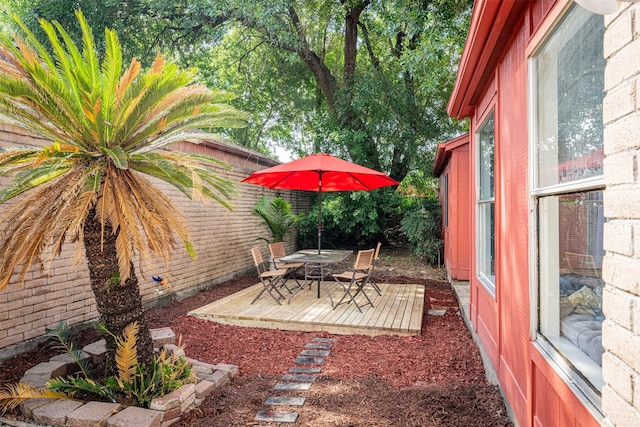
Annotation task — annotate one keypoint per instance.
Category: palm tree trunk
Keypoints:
(118, 304)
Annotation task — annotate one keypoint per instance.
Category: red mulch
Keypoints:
(435, 379)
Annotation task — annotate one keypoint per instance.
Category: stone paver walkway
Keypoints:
(300, 377)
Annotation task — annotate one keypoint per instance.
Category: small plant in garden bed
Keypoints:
(135, 384)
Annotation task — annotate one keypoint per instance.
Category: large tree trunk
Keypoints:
(118, 304)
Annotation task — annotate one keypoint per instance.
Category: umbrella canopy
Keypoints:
(320, 172)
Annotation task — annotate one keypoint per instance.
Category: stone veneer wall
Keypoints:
(621, 267)
(222, 240)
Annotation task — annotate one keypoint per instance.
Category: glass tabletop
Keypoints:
(326, 256)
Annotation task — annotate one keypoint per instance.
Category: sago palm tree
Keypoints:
(108, 126)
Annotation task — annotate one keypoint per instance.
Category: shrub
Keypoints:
(351, 219)
(422, 228)
(409, 216)
(277, 216)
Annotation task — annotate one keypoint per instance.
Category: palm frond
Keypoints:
(24, 237)
(160, 220)
(134, 122)
(36, 89)
(12, 395)
(111, 69)
(49, 92)
(89, 51)
(169, 114)
(128, 77)
(181, 130)
(71, 385)
(63, 333)
(65, 66)
(117, 156)
(102, 327)
(28, 179)
(35, 49)
(193, 174)
(277, 216)
(126, 354)
(37, 220)
(13, 160)
(21, 105)
(146, 219)
(83, 77)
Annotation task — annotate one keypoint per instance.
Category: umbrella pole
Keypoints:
(320, 214)
(321, 277)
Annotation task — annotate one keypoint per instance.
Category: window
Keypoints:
(485, 203)
(567, 76)
(445, 201)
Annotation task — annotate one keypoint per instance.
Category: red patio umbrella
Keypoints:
(320, 172)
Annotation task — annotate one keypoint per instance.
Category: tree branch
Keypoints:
(367, 42)
(351, 39)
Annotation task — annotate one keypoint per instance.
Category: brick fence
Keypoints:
(222, 240)
(621, 266)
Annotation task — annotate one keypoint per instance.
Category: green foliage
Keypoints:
(83, 386)
(409, 215)
(114, 279)
(308, 230)
(422, 227)
(351, 219)
(418, 185)
(63, 334)
(166, 373)
(297, 72)
(277, 216)
(264, 78)
(138, 31)
(421, 223)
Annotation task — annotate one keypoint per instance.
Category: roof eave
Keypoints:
(443, 152)
(492, 22)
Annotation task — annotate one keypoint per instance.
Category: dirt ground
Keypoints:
(435, 379)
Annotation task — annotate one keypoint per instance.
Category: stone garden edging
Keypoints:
(164, 411)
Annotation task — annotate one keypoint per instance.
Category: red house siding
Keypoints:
(512, 271)
(493, 77)
(552, 402)
(452, 162)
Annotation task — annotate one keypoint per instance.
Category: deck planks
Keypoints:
(398, 311)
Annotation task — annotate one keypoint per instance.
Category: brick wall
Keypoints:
(621, 266)
(222, 240)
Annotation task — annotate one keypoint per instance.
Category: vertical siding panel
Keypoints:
(512, 221)
(539, 410)
(487, 324)
(460, 160)
(486, 309)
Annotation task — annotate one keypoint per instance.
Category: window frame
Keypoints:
(445, 200)
(581, 387)
(481, 204)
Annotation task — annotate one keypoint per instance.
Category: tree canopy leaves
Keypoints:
(367, 80)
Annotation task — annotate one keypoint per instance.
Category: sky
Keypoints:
(283, 155)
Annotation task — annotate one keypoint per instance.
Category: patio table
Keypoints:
(315, 264)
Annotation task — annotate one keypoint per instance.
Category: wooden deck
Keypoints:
(398, 311)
